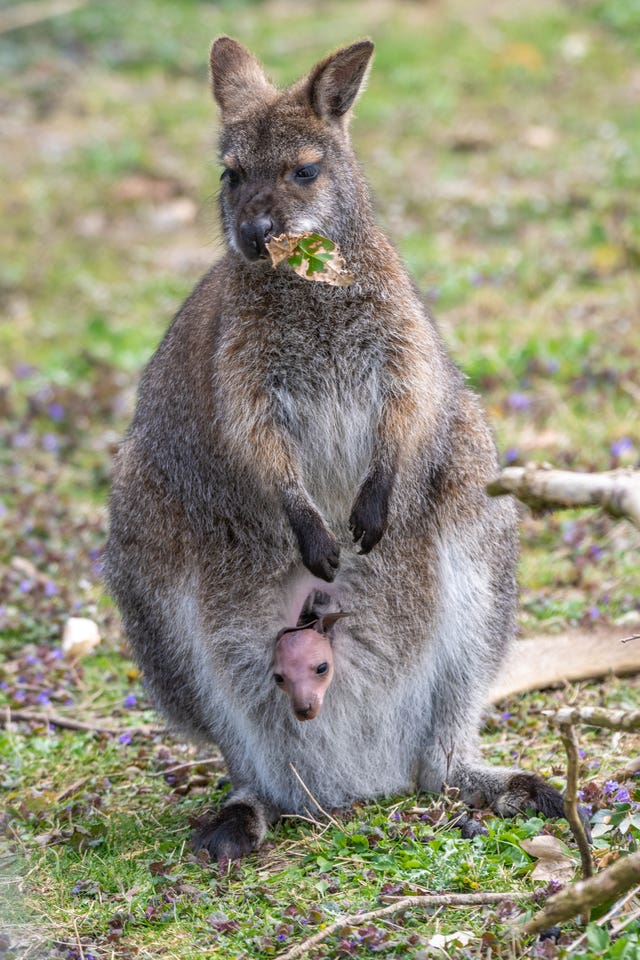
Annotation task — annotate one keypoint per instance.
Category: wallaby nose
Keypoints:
(253, 237)
(306, 711)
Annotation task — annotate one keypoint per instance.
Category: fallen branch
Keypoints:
(568, 737)
(586, 894)
(628, 720)
(32, 716)
(617, 491)
(399, 906)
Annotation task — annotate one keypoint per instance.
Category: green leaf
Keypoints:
(597, 937)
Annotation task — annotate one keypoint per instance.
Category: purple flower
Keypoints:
(595, 552)
(50, 442)
(130, 700)
(518, 401)
(56, 411)
(57, 654)
(511, 455)
(43, 698)
(30, 659)
(506, 715)
(623, 445)
(25, 586)
(582, 753)
(19, 695)
(593, 613)
(622, 795)
(22, 440)
(281, 936)
(125, 737)
(50, 589)
(611, 786)
(23, 370)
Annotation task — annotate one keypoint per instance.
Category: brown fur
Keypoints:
(290, 435)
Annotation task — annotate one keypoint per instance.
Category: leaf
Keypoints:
(460, 938)
(597, 937)
(312, 257)
(554, 863)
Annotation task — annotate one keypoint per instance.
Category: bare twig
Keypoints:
(585, 894)
(597, 717)
(617, 492)
(634, 636)
(216, 762)
(400, 906)
(568, 737)
(313, 799)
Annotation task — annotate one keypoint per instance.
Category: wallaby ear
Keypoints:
(236, 77)
(328, 620)
(334, 84)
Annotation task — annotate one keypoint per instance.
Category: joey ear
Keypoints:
(236, 77)
(326, 622)
(334, 84)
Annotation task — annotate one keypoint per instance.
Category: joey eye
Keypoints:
(307, 173)
(279, 679)
(322, 668)
(231, 175)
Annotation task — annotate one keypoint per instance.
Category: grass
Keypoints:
(503, 146)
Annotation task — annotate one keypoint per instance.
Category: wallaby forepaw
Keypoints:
(321, 554)
(232, 832)
(368, 520)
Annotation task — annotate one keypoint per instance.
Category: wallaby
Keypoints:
(303, 664)
(290, 436)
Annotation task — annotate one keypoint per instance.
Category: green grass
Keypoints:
(503, 145)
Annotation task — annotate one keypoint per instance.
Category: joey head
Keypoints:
(303, 664)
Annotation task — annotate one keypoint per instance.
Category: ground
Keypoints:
(502, 142)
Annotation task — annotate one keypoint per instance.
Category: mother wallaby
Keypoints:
(290, 435)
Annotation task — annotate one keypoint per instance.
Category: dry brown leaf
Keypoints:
(554, 863)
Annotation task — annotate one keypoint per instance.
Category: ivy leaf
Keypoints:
(312, 257)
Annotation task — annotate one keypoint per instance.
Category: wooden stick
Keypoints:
(585, 894)
(617, 491)
(400, 906)
(597, 717)
(32, 716)
(568, 736)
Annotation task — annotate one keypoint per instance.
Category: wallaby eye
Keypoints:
(322, 668)
(307, 173)
(278, 678)
(231, 175)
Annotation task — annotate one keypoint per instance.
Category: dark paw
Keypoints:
(528, 791)
(470, 828)
(368, 520)
(321, 554)
(319, 548)
(232, 833)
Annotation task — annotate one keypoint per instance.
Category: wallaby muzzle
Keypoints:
(253, 237)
